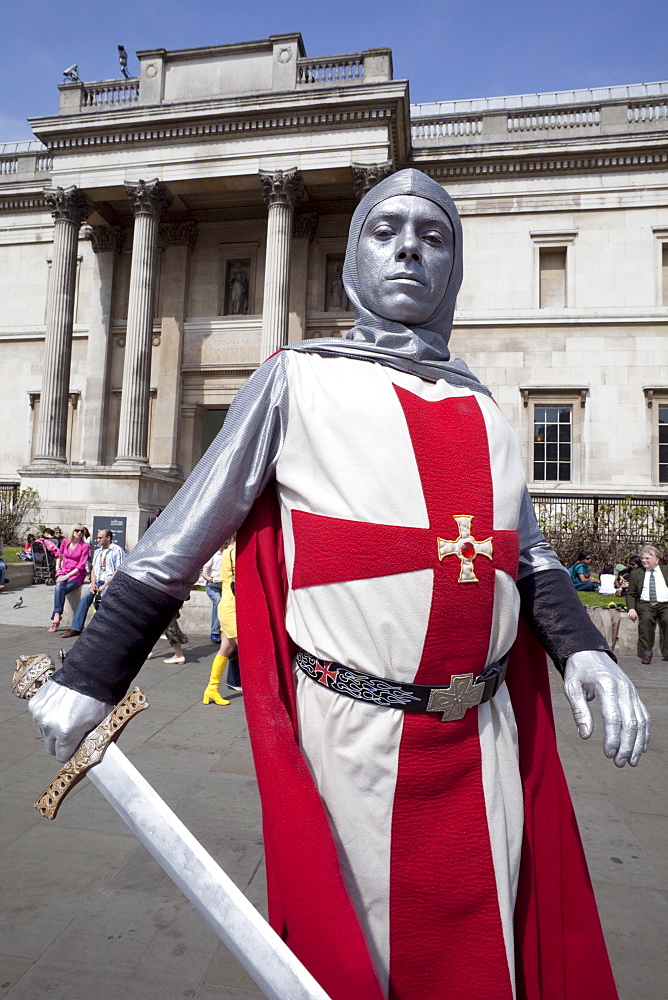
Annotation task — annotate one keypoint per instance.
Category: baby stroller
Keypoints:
(44, 563)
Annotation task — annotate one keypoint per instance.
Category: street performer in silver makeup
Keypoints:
(394, 598)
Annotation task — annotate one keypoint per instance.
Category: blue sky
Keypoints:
(448, 49)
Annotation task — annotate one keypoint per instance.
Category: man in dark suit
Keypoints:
(647, 601)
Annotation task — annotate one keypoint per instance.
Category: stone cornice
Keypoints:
(299, 108)
(61, 471)
(456, 168)
(68, 205)
(99, 133)
(240, 371)
(25, 201)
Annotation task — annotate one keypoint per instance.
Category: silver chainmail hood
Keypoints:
(421, 351)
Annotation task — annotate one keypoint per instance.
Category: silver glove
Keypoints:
(63, 717)
(592, 674)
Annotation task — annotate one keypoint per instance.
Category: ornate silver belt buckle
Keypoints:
(455, 700)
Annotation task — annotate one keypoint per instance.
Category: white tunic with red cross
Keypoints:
(400, 503)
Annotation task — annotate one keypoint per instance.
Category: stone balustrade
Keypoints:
(105, 94)
(647, 113)
(370, 66)
(529, 124)
(20, 161)
(545, 121)
(330, 70)
(445, 128)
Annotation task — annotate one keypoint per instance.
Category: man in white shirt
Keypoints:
(647, 601)
(211, 573)
(107, 557)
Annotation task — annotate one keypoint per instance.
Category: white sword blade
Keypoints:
(278, 973)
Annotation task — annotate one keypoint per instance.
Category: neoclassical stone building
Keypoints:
(168, 232)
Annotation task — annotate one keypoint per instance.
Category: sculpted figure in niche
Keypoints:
(237, 290)
(395, 599)
(336, 296)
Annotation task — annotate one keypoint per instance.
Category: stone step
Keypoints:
(19, 575)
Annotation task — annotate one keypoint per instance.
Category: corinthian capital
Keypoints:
(367, 175)
(104, 238)
(282, 187)
(148, 197)
(70, 204)
(179, 234)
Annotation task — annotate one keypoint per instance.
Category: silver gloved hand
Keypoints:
(63, 717)
(593, 674)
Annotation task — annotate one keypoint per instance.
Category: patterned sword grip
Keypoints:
(90, 752)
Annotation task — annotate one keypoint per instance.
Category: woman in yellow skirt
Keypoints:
(227, 616)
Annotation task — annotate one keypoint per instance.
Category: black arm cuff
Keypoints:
(109, 654)
(555, 613)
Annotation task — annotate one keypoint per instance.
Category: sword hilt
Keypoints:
(90, 752)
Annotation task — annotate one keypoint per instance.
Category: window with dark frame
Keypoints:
(552, 443)
(663, 443)
(214, 419)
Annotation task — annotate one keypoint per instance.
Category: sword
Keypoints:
(256, 946)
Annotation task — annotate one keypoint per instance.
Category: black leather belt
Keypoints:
(463, 692)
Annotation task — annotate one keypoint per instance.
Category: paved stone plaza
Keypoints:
(86, 914)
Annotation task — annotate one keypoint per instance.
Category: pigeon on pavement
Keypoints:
(19, 603)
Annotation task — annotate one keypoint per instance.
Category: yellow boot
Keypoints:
(211, 693)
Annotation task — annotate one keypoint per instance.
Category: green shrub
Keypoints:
(611, 532)
(16, 510)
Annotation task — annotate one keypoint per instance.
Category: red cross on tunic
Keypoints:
(449, 440)
(439, 819)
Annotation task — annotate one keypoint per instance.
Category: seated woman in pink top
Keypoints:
(70, 571)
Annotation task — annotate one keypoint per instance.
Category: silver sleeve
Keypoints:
(536, 555)
(214, 501)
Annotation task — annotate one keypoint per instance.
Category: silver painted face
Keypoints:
(404, 259)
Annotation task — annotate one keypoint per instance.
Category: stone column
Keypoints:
(70, 208)
(304, 226)
(106, 242)
(280, 190)
(367, 175)
(148, 201)
(178, 240)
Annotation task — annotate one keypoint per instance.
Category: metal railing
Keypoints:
(611, 524)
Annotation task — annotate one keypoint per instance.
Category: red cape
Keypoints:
(560, 950)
